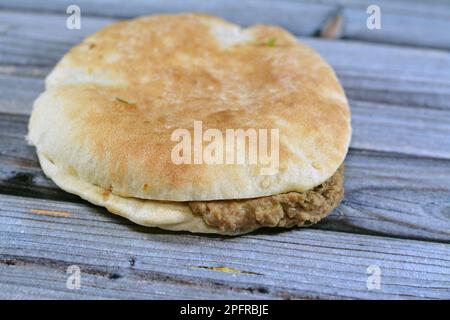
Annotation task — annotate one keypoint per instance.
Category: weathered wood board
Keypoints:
(402, 21)
(396, 213)
(295, 264)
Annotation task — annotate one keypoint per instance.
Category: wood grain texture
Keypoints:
(32, 278)
(412, 23)
(134, 260)
(412, 129)
(31, 49)
(403, 22)
(386, 194)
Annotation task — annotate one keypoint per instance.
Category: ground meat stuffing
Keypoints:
(282, 210)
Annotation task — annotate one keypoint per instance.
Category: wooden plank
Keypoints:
(245, 12)
(387, 194)
(429, 8)
(19, 92)
(394, 195)
(390, 194)
(424, 90)
(413, 23)
(22, 44)
(391, 128)
(35, 250)
(399, 29)
(412, 129)
(391, 75)
(116, 8)
(388, 74)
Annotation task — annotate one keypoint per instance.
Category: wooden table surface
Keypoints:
(395, 215)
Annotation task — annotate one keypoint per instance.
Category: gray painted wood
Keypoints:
(46, 279)
(38, 42)
(399, 29)
(19, 92)
(386, 194)
(130, 261)
(413, 23)
(246, 12)
(391, 128)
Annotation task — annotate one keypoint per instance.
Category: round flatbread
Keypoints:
(105, 123)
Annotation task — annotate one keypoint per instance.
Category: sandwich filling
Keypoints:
(281, 210)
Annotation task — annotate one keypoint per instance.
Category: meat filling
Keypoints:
(281, 210)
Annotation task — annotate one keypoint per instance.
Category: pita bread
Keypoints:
(103, 126)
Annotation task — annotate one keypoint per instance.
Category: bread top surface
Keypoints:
(113, 102)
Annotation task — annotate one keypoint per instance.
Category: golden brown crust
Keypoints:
(282, 210)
